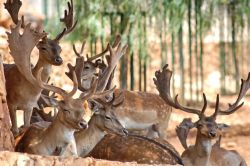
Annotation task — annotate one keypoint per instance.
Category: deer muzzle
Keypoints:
(58, 60)
(83, 124)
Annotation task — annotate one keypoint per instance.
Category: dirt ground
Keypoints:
(235, 138)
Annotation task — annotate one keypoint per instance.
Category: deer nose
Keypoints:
(83, 125)
(58, 60)
(212, 134)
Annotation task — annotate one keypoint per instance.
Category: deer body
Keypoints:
(133, 148)
(203, 153)
(143, 111)
(87, 140)
(102, 122)
(22, 90)
(21, 93)
(37, 139)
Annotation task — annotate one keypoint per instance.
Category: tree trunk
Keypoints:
(233, 45)
(196, 51)
(145, 52)
(190, 48)
(181, 63)
(222, 51)
(131, 53)
(140, 54)
(6, 137)
(173, 59)
(201, 45)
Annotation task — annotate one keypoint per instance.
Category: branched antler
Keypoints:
(13, 7)
(68, 20)
(21, 47)
(245, 85)
(162, 82)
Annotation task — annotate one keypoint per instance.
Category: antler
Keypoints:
(113, 59)
(68, 21)
(162, 82)
(13, 7)
(78, 68)
(21, 47)
(116, 42)
(245, 85)
(92, 92)
(55, 89)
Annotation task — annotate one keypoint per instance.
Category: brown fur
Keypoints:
(131, 148)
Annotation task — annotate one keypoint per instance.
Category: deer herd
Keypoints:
(102, 122)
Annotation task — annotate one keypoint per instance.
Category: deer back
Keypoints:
(135, 148)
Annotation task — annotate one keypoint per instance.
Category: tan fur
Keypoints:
(141, 111)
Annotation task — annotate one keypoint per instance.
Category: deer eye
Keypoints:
(107, 117)
(86, 67)
(65, 110)
(43, 48)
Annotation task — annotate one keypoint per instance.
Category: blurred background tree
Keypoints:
(179, 27)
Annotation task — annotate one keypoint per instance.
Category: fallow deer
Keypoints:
(140, 111)
(21, 91)
(135, 148)
(99, 142)
(102, 122)
(203, 153)
(54, 138)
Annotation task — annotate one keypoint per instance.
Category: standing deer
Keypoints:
(140, 111)
(203, 153)
(22, 93)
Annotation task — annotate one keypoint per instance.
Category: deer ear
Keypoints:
(183, 129)
(222, 126)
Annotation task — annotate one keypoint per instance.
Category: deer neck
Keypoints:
(203, 148)
(87, 139)
(41, 63)
(59, 131)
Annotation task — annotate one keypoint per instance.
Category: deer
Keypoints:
(22, 93)
(140, 111)
(203, 152)
(101, 123)
(136, 148)
(51, 138)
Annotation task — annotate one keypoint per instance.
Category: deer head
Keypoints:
(89, 68)
(49, 49)
(206, 125)
(104, 117)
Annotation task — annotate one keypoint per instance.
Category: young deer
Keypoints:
(22, 93)
(203, 153)
(140, 111)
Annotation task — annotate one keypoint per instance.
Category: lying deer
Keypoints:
(58, 135)
(140, 111)
(203, 152)
(102, 122)
(134, 148)
(22, 93)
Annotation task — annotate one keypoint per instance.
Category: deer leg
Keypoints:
(27, 116)
(14, 128)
